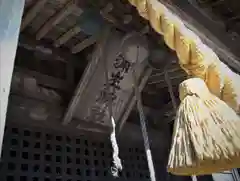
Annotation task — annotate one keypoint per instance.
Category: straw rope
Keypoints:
(195, 57)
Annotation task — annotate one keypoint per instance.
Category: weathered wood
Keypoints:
(32, 13)
(67, 36)
(105, 12)
(50, 50)
(131, 132)
(157, 74)
(107, 9)
(80, 88)
(132, 101)
(46, 80)
(57, 18)
(84, 44)
(160, 79)
(33, 109)
(110, 18)
(227, 175)
(10, 20)
(22, 107)
(90, 100)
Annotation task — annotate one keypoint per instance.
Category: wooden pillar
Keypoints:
(226, 176)
(232, 175)
(10, 19)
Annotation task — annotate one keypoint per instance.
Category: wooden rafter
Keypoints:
(105, 13)
(55, 52)
(84, 44)
(91, 40)
(107, 9)
(45, 80)
(31, 14)
(55, 19)
(76, 29)
(110, 18)
(67, 36)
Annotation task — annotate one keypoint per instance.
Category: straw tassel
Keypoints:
(206, 133)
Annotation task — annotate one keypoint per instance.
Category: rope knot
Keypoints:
(193, 86)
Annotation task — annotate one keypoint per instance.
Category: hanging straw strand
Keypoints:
(117, 165)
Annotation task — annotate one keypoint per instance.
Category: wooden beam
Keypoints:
(33, 109)
(84, 81)
(105, 13)
(76, 29)
(174, 69)
(10, 17)
(127, 19)
(132, 132)
(84, 44)
(55, 52)
(46, 80)
(161, 79)
(107, 9)
(110, 18)
(28, 87)
(232, 175)
(92, 81)
(57, 18)
(133, 100)
(32, 12)
(67, 36)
